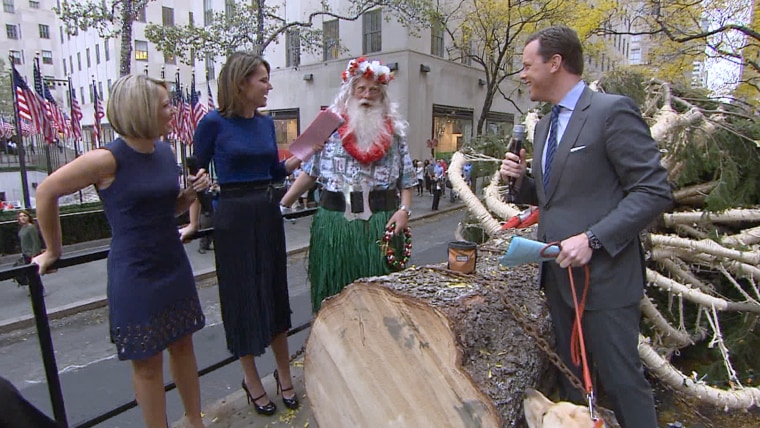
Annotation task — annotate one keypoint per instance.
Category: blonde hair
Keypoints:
(133, 106)
(238, 67)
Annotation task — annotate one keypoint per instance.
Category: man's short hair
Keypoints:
(133, 106)
(239, 66)
(562, 41)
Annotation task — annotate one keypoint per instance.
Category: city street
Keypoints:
(94, 380)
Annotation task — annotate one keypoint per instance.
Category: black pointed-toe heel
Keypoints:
(292, 402)
(267, 409)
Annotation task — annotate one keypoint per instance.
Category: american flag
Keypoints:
(48, 115)
(29, 105)
(99, 115)
(199, 109)
(211, 105)
(6, 129)
(76, 114)
(54, 112)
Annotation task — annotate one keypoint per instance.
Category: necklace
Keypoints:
(375, 152)
(390, 254)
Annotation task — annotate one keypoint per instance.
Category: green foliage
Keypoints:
(488, 145)
(728, 155)
(105, 17)
(254, 26)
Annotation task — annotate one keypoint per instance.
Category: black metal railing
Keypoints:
(44, 336)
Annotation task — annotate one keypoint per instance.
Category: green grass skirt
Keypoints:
(343, 251)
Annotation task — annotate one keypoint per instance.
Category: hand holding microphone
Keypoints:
(508, 165)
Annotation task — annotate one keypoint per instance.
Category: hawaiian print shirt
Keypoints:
(338, 171)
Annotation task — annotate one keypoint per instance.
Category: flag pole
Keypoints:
(20, 143)
(76, 143)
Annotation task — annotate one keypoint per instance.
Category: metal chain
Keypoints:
(531, 330)
(526, 325)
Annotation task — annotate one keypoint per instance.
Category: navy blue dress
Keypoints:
(152, 297)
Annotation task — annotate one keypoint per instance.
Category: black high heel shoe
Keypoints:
(292, 402)
(267, 409)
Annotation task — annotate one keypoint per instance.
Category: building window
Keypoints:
(141, 15)
(109, 87)
(210, 71)
(47, 57)
(167, 14)
(330, 40)
(190, 19)
(61, 30)
(372, 40)
(141, 50)
(208, 12)
(79, 61)
(97, 54)
(635, 57)
(11, 31)
(92, 92)
(44, 31)
(81, 94)
(34, 4)
(169, 58)
(106, 51)
(229, 7)
(71, 65)
(64, 65)
(8, 6)
(16, 56)
(293, 48)
(100, 90)
(436, 39)
(87, 55)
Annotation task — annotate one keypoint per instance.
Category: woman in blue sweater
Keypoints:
(249, 237)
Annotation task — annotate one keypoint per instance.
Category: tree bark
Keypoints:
(428, 347)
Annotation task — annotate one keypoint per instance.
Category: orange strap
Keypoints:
(577, 342)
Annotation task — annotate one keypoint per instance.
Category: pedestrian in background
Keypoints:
(597, 182)
(419, 171)
(249, 235)
(152, 299)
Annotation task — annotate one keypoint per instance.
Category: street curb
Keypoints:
(202, 277)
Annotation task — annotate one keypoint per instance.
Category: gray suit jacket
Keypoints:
(607, 178)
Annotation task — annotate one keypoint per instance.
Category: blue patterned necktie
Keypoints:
(551, 146)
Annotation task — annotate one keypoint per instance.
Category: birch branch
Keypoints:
(728, 216)
(735, 399)
(707, 247)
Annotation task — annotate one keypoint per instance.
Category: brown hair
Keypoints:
(133, 106)
(238, 67)
(562, 41)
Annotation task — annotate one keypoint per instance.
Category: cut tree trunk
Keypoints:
(428, 347)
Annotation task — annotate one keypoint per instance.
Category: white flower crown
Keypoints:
(360, 67)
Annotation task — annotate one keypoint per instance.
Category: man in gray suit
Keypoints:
(598, 182)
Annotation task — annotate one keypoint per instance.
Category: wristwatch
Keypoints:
(407, 209)
(593, 242)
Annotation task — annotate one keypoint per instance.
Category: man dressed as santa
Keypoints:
(363, 168)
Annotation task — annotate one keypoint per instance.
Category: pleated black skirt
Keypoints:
(249, 242)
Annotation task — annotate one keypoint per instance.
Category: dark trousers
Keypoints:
(206, 220)
(16, 412)
(611, 337)
(436, 198)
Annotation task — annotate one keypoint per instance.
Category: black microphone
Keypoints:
(515, 145)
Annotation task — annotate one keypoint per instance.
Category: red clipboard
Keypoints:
(318, 132)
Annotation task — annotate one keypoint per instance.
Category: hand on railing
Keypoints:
(187, 233)
(44, 260)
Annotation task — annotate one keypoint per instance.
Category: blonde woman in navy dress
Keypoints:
(249, 236)
(152, 300)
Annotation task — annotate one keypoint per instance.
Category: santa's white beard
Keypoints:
(367, 123)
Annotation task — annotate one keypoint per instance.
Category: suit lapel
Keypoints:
(569, 137)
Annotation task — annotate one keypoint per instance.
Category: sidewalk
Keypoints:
(83, 287)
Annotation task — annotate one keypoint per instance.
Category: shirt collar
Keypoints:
(572, 96)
